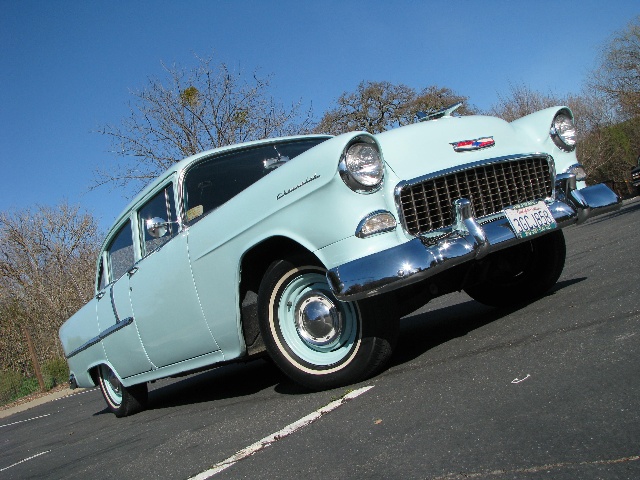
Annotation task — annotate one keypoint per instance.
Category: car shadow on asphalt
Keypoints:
(224, 382)
(419, 333)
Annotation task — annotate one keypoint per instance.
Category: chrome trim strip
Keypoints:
(113, 305)
(105, 333)
(469, 166)
(555, 136)
(345, 174)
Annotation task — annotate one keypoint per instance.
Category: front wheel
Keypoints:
(318, 341)
(121, 400)
(520, 273)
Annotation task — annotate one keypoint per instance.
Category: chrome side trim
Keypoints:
(105, 333)
(468, 166)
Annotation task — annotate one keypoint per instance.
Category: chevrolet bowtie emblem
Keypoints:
(477, 144)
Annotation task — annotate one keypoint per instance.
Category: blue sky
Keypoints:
(67, 67)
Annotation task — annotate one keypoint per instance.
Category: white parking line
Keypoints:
(288, 430)
(22, 421)
(25, 460)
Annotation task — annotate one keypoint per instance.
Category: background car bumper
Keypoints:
(416, 260)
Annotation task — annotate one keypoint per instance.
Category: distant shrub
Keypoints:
(9, 386)
(27, 387)
(14, 386)
(55, 372)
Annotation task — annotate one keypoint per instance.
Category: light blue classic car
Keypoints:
(310, 248)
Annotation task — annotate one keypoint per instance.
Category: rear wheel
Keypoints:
(121, 400)
(316, 340)
(521, 273)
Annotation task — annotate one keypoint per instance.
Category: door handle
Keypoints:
(132, 271)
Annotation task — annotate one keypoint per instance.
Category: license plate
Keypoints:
(530, 218)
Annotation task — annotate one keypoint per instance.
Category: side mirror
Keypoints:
(157, 227)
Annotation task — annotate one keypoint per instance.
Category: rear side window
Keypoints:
(120, 252)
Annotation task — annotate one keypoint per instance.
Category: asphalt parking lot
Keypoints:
(548, 390)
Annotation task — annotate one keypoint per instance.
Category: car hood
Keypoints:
(425, 147)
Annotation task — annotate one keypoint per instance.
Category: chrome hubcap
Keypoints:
(115, 383)
(318, 321)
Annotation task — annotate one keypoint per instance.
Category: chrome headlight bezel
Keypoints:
(563, 130)
(578, 170)
(361, 166)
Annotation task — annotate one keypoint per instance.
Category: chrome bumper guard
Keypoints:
(414, 261)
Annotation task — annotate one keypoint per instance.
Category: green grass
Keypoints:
(14, 386)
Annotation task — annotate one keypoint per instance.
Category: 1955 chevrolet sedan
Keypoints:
(310, 248)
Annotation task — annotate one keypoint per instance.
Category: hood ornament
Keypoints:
(435, 114)
(477, 144)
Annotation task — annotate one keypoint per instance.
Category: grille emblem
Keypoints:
(477, 144)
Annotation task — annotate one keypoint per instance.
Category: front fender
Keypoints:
(537, 127)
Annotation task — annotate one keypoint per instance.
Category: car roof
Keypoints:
(185, 163)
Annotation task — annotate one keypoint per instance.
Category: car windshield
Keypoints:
(216, 180)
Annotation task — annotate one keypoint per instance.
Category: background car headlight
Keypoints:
(361, 167)
(563, 130)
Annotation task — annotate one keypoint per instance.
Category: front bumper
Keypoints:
(414, 261)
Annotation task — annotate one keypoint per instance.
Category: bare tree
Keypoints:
(191, 110)
(618, 75)
(378, 106)
(47, 268)
(605, 146)
(521, 100)
(589, 110)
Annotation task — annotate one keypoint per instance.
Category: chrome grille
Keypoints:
(428, 204)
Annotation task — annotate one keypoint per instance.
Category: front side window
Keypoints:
(120, 252)
(161, 208)
(216, 180)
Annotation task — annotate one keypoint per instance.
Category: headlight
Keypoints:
(361, 167)
(563, 130)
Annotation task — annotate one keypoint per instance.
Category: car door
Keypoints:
(165, 303)
(121, 341)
